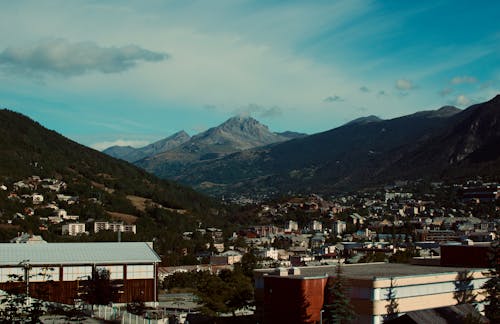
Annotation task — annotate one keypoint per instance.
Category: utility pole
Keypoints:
(26, 265)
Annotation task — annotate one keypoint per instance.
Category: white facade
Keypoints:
(73, 229)
(339, 227)
(115, 227)
(292, 226)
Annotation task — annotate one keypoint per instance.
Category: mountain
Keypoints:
(234, 135)
(27, 148)
(131, 154)
(436, 144)
(365, 120)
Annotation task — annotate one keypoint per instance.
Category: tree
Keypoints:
(98, 290)
(464, 289)
(136, 307)
(248, 264)
(338, 309)
(492, 286)
(392, 306)
(17, 306)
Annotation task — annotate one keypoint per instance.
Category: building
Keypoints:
(27, 238)
(229, 257)
(488, 193)
(339, 227)
(73, 229)
(415, 287)
(292, 226)
(115, 227)
(58, 270)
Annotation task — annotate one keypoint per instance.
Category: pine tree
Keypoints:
(492, 286)
(464, 289)
(338, 309)
(392, 306)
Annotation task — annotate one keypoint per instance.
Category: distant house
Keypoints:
(226, 258)
(27, 239)
(37, 199)
(357, 219)
(339, 227)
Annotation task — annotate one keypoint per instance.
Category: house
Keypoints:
(59, 269)
(28, 239)
(357, 219)
(226, 258)
(339, 227)
(37, 199)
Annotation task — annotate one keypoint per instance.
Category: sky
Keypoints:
(109, 72)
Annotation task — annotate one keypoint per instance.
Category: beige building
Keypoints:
(415, 288)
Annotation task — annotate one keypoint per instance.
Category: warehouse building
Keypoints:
(57, 271)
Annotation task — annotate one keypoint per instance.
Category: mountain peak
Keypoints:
(365, 120)
(446, 111)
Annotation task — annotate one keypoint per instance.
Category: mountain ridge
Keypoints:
(354, 155)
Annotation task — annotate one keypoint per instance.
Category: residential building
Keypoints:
(115, 227)
(339, 227)
(73, 229)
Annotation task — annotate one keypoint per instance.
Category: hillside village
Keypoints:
(409, 228)
(372, 225)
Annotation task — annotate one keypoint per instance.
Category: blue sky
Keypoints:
(132, 72)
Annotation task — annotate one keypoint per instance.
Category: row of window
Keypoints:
(423, 289)
(73, 273)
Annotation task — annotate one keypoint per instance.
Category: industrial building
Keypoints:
(56, 271)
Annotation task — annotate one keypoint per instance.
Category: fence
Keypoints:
(106, 313)
(128, 318)
(114, 314)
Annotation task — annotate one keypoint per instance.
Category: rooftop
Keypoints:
(77, 253)
(373, 270)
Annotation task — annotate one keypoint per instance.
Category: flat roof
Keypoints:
(12, 254)
(372, 271)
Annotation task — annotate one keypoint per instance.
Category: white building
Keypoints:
(115, 227)
(339, 227)
(292, 226)
(73, 229)
(317, 226)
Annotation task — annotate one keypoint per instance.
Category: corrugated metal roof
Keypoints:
(78, 253)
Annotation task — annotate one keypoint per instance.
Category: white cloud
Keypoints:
(60, 57)
(462, 100)
(405, 85)
(120, 142)
(463, 79)
(259, 111)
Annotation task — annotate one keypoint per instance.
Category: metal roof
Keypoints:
(77, 253)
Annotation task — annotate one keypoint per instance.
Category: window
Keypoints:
(115, 272)
(11, 274)
(140, 271)
(40, 274)
(77, 273)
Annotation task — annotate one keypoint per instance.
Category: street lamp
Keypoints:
(321, 316)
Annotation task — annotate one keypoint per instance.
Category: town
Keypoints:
(409, 223)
